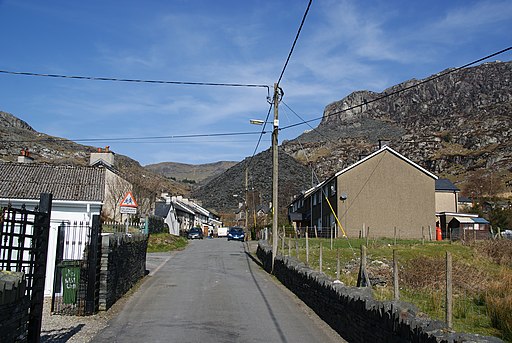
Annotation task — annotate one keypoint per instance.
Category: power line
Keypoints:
(294, 42)
(115, 79)
(387, 95)
(312, 128)
(124, 139)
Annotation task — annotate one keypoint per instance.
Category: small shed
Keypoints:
(468, 227)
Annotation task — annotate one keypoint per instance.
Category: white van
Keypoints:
(222, 232)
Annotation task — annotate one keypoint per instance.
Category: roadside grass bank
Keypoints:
(163, 242)
(482, 276)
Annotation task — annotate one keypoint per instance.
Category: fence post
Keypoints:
(321, 257)
(40, 241)
(449, 294)
(422, 235)
(394, 235)
(363, 279)
(316, 232)
(430, 232)
(337, 264)
(307, 245)
(396, 290)
(93, 261)
(332, 234)
(297, 248)
(282, 244)
(59, 254)
(290, 245)
(367, 234)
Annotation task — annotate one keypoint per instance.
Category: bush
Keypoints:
(156, 224)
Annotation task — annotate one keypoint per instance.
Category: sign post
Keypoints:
(128, 205)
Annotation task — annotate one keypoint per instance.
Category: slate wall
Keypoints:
(353, 312)
(14, 307)
(123, 263)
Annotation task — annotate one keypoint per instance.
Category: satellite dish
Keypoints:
(343, 196)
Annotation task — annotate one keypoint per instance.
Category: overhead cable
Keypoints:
(294, 42)
(115, 79)
(121, 139)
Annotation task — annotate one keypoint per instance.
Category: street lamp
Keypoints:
(275, 173)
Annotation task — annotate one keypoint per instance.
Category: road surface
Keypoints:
(213, 292)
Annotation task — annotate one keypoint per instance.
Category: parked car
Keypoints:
(195, 233)
(236, 233)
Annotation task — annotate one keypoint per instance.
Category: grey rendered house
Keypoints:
(383, 191)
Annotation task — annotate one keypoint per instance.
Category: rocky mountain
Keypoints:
(227, 190)
(191, 173)
(17, 135)
(454, 123)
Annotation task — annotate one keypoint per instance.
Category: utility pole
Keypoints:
(246, 203)
(275, 174)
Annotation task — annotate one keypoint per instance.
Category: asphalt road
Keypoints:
(213, 292)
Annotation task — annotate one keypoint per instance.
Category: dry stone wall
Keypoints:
(354, 313)
(123, 263)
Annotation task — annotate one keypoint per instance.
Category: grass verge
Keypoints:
(163, 242)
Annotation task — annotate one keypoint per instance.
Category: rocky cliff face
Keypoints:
(452, 125)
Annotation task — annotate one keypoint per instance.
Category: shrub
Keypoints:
(156, 224)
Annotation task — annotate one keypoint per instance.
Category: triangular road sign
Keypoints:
(128, 201)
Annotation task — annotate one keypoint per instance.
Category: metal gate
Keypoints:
(23, 248)
(77, 267)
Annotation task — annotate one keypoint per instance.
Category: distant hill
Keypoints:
(17, 135)
(198, 173)
(225, 191)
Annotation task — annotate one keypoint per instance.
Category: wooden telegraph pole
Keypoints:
(246, 203)
(275, 174)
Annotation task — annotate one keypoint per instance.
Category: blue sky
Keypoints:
(344, 46)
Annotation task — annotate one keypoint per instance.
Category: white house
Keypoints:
(79, 192)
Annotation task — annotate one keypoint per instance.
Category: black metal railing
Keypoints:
(24, 236)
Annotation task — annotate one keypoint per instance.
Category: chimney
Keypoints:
(24, 156)
(103, 156)
(383, 143)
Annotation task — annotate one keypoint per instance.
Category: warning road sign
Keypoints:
(128, 201)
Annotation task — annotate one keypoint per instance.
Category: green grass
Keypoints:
(422, 270)
(164, 242)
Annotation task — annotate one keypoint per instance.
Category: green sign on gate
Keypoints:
(70, 280)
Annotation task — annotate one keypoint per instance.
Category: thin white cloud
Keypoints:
(487, 14)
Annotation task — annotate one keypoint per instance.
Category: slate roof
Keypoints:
(182, 207)
(162, 209)
(29, 180)
(445, 185)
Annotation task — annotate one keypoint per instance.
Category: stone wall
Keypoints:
(353, 312)
(14, 307)
(123, 263)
